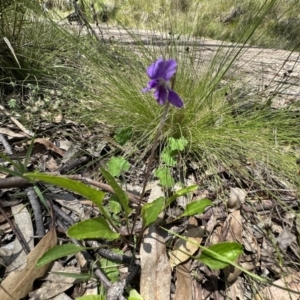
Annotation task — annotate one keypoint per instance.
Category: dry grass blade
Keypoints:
(11, 50)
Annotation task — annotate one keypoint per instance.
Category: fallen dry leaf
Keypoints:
(55, 284)
(275, 293)
(234, 227)
(18, 284)
(155, 267)
(183, 249)
(49, 146)
(10, 133)
(285, 238)
(51, 164)
(17, 257)
(236, 290)
(184, 284)
(234, 230)
(237, 197)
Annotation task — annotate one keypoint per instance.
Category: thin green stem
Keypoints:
(158, 132)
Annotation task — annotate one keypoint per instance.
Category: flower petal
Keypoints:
(154, 71)
(168, 69)
(161, 95)
(151, 85)
(175, 99)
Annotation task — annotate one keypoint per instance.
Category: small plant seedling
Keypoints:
(123, 135)
(117, 165)
(169, 158)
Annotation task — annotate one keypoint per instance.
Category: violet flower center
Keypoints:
(163, 83)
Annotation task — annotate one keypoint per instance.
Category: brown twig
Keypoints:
(37, 211)
(6, 144)
(11, 182)
(116, 290)
(14, 120)
(63, 215)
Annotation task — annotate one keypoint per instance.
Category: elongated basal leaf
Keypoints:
(218, 256)
(73, 185)
(181, 192)
(123, 198)
(196, 207)
(150, 211)
(96, 228)
(58, 252)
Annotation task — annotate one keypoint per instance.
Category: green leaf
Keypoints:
(58, 252)
(28, 155)
(114, 205)
(177, 144)
(165, 177)
(92, 297)
(167, 158)
(134, 295)
(110, 269)
(96, 228)
(122, 196)
(80, 276)
(75, 186)
(181, 192)
(196, 207)
(117, 165)
(123, 135)
(150, 211)
(218, 256)
(10, 172)
(41, 196)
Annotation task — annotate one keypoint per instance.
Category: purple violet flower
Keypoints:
(160, 74)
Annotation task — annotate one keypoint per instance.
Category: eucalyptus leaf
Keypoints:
(58, 252)
(96, 228)
(220, 255)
